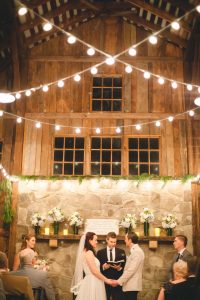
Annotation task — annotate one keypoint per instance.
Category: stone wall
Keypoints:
(105, 198)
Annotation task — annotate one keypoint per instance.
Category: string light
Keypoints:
(6, 175)
(18, 96)
(57, 127)
(1, 113)
(174, 85)
(118, 130)
(191, 113)
(94, 70)
(110, 61)
(98, 130)
(19, 120)
(175, 25)
(38, 125)
(198, 8)
(90, 51)
(78, 130)
(189, 87)
(71, 39)
(153, 39)
(128, 69)
(47, 26)
(171, 119)
(161, 80)
(61, 83)
(77, 77)
(138, 127)
(28, 93)
(197, 101)
(45, 88)
(157, 123)
(22, 11)
(132, 51)
(147, 75)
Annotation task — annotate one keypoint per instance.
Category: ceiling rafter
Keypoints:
(92, 6)
(181, 4)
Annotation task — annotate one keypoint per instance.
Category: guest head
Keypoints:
(111, 240)
(180, 270)
(28, 242)
(90, 241)
(180, 242)
(131, 239)
(27, 258)
(192, 266)
(3, 262)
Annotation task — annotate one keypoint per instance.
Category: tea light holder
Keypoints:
(157, 231)
(65, 231)
(46, 231)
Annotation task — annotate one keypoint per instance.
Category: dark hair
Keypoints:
(27, 237)
(133, 237)
(89, 237)
(3, 260)
(112, 235)
(182, 238)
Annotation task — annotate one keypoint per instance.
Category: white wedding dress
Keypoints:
(91, 288)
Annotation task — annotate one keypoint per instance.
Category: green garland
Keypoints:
(6, 188)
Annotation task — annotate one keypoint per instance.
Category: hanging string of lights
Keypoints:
(5, 174)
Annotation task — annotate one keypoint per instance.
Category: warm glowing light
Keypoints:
(191, 113)
(161, 80)
(138, 127)
(22, 11)
(94, 70)
(157, 231)
(1, 113)
(90, 51)
(6, 97)
(157, 123)
(61, 83)
(78, 130)
(153, 39)
(46, 231)
(189, 87)
(28, 93)
(38, 125)
(171, 119)
(47, 26)
(77, 77)
(45, 88)
(18, 96)
(110, 61)
(197, 101)
(175, 25)
(19, 120)
(98, 130)
(174, 85)
(118, 130)
(132, 51)
(128, 69)
(198, 8)
(147, 75)
(71, 39)
(65, 231)
(199, 90)
(57, 127)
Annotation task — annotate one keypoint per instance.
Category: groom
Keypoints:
(111, 253)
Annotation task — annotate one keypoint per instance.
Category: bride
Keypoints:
(91, 286)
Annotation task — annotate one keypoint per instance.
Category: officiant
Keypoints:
(112, 262)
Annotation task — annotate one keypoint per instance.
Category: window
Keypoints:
(107, 94)
(68, 156)
(143, 156)
(105, 156)
(1, 150)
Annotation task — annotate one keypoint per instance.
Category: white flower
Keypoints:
(75, 219)
(41, 264)
(55, 215)
(169, 221)
(128, 221)
(37, 219)
(146, 215)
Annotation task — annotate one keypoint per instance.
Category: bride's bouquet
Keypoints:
(41, 264)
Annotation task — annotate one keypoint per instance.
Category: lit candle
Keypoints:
(157, 231)
(65, 231)
(46, 230)
(138, 234)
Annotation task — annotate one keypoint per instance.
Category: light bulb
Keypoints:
(138, 127)
(57, 127)
(47, 26)
(98, 130)
(191, 113)
(77, 130)
(1, 113)
(61, 83)
(197, 101)
(22, 11)
(77, 77)
(147, 75)
(19, 120)
(18, 96)
(132, 51)
(90, 51)
(198, 8)
(189, 87)
(153, 39)
(110, 61)
(161, 80)
(38, 125)
(171, 119)
(157, 123)
(93, 70)
(28, 93)
(128, 69)
(174, 85)
(118, 129)
(45, 88)
(175, 25)
(71, 39)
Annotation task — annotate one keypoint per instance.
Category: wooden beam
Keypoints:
(91, 5)
(181, 4)
(153, 27)
(158, 12)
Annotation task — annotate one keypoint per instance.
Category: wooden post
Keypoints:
(196, 217)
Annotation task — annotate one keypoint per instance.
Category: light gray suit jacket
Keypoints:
(131, 279)
(38, 278)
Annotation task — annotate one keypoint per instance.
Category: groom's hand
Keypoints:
(106, 266)
(114, 283)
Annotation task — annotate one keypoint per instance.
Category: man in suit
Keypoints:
(131, 279)
(112, 253)
(38, 278)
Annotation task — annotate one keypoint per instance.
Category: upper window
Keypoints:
(107, 94)
(143, 156)
(106, 156)
(1, 149)
(68, 156)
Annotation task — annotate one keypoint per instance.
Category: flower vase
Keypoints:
(75, 229)
(146, 228)
(128, 230)
(37, 230)
(169, 231)
(56, 227)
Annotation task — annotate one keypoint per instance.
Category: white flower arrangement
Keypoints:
(128, 221)
(146, 215)
(55, 215)
(37, 219)
(41, 264)
(75, 219)
(169, 221)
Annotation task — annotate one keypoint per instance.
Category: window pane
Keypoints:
(68, 169)
(133, 156)
(107, 93)
(133, 143)
(59, 142)
(143, 143)
(106, 105)
(117, 81)
(106, 156)
(116, 169)
(116, 156)
(97, 81)
(154, 156)
(116, 143)
(144, 169)
(69, 143)
(69, 155)
(97, 93)
(154, 169)
(95, 156)
(154, 143)
(106, 143)
(133, 169)
(95, 169)
(96, 105)
(57, 169)
(79, 143)
(96, 143)
(117, 105)
(58, 155)
(144, 157)
(117, 93)
(78, 169)
(105, 169)
(107, 81)
(79, 155)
